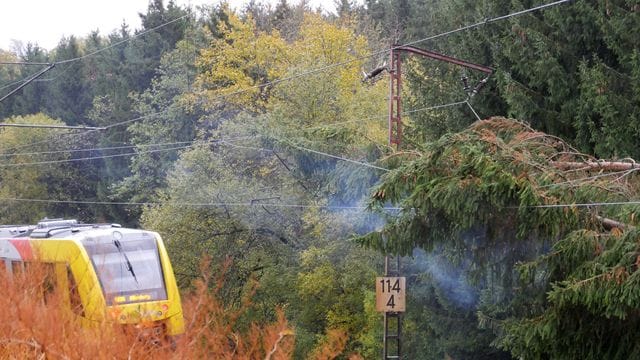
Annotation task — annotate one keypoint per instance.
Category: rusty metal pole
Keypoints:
(395, 138)
(395, 111)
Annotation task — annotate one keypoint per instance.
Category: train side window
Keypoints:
(17, 267)
(74, 295)
(45, 274)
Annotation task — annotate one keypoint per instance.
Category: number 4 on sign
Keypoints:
(391, 303)
(390, 294)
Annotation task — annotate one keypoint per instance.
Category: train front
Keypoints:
(137, 280)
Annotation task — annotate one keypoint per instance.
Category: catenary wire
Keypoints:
(61, 62)
(138, 118)
(428, 108)
(94, 149)
(122, 41)
(488, 21)
(472, 110)
(60, 73)
(253, 204)
(191, 204)
(334, 156)
(37, 80)
(93, 157)
(365, 164)
(384, 117)
(111, 148)
(186, 147)
(16, 82)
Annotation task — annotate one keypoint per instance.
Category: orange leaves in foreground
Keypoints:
(36, 326)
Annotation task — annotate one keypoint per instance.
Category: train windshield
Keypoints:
(128, 268)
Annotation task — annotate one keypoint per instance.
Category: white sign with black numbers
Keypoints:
(390, 294)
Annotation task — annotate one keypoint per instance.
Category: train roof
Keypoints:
(10, 231)
(60, 228)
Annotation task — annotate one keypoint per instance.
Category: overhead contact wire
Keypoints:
(190, 204)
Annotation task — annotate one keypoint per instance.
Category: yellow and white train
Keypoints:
(105, 271)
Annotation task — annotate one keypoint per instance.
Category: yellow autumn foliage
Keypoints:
(312, 81)
(237, 67)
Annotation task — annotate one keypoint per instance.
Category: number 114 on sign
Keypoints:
(390, 294)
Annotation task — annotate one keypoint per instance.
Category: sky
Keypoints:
(45, 22)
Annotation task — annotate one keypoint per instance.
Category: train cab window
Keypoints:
(129, 269)
(45, 275)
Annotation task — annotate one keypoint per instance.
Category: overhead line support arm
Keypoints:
(442, 57)
(395, 86)
(29, 80)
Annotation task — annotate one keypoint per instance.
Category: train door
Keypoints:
(69, 289)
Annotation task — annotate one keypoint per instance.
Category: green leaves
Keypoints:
(20, 178)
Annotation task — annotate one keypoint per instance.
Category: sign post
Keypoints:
(390, 300)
